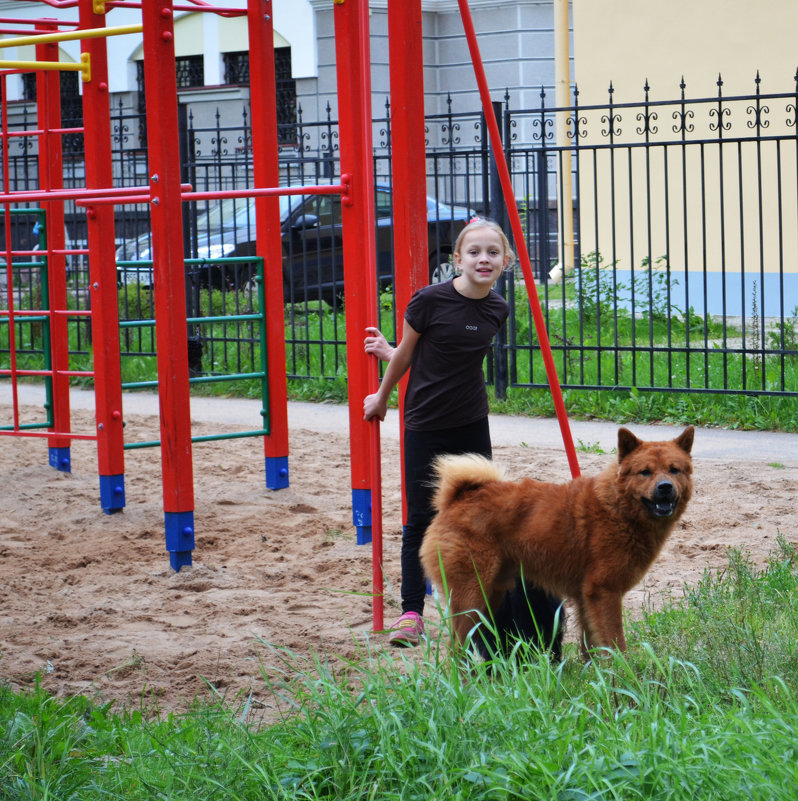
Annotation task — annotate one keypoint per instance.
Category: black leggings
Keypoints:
(420, 449)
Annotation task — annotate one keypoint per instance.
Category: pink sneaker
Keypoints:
(406, 630)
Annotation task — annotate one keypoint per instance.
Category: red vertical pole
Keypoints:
(353, 65)
(160, 84)
(263, 101)
(51, 176)
(102, 272)
(408, 164)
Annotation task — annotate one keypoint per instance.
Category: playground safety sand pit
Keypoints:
(89, 603)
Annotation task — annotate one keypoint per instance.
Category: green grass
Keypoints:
(703, 706)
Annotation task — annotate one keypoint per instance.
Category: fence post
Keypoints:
(498, 211)
(192, 274)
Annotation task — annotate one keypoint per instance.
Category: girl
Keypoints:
(448, 329)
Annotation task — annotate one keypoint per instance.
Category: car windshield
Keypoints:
(239, 212)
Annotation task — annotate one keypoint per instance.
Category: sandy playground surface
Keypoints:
(89, 602)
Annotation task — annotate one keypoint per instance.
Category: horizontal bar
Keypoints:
(187, 196)
(137, 197)
(70, 373)
(83, 66)
(129, 446)
(32, 315)
(193, 320)
(26, 426)
(198, 5)
(41, 434)
(27, 316)
(205, 379)
(216, 379)
(70, 66)
(38, 132)
(91, 195)
(35, 21)
(113, 201)
(67, 36)
(312, 189)
(221, 260)
(232, 318)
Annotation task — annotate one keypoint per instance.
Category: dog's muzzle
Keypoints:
(663, 501)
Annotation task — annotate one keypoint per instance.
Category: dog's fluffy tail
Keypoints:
(457, 475)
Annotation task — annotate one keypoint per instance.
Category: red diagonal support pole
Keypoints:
(102, 270)
(51, 176)
(518, 236)
(353, 66)
(160, 84)
(263, 94)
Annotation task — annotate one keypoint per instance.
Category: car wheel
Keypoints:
(442, 268)
(243, 277)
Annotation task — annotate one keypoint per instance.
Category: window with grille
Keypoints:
(190, 71)
(71, 106)
(236, 72)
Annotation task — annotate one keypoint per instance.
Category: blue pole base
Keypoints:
(61, 459)
(112, 493)
(179, 538)
(178, 559)
(276, 472)
(361, 515)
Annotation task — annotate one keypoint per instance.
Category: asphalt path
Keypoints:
(710, 443)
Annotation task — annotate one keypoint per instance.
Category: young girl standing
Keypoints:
(448, 329)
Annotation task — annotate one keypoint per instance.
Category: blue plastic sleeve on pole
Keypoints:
(361, 515)
(179, 538)
(61, 459)
(112, 493)
(276, 472)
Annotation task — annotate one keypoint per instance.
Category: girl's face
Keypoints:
(481, 258)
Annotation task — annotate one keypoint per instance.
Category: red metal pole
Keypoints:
(408, 167)
(160, 83)
(51, 176)
(353, 65)
(102, 272)
(518, 236)
(263, 94)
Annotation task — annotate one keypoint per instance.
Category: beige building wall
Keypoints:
(730, 209)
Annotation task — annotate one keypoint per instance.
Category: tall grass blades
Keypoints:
(703, 706)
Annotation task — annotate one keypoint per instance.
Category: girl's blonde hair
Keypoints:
(484, 222)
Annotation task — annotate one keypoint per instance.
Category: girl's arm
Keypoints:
(376, 405)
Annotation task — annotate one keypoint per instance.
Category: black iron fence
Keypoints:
(681, 273)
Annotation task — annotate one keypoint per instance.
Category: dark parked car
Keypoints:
(311, 234)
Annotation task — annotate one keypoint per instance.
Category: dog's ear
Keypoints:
(627, 442)
(685, 439)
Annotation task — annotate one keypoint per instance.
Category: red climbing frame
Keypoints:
(166, 194)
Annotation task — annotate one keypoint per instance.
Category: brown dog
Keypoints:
(590, 540)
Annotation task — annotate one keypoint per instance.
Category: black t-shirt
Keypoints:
(447, 386)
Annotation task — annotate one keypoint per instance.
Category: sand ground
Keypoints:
(89, 603)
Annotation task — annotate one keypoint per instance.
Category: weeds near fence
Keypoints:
(630, 361)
